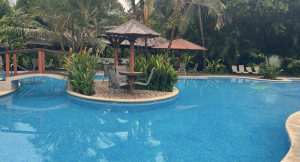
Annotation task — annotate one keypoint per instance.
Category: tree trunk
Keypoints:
(73, 34)
(173, 30)
(202, 37)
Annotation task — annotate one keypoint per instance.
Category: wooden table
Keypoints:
(131, 76)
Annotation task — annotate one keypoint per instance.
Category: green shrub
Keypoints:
(271, 67)
(214, 67)
(164, 76)
(82, 69)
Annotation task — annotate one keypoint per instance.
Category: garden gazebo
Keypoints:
(131, 31)
(180, 45)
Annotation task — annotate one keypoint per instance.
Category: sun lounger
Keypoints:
(242, 69)
(181, 70)
(234, 69)
(249, 70)
(256, 68)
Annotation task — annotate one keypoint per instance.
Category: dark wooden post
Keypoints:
(40, 61)
(179, 59)
(43, 60)
(122, 52)
(115, 56)
(105, 52)
(7, 64)
(15, 64)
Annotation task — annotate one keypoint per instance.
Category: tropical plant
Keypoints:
(164, 76)
(213, 67)
(186, 58)
(214, 8)
(82, 72)
(271, 67)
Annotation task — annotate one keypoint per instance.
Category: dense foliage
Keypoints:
(164, 76)
(271, 67)
(82, 72)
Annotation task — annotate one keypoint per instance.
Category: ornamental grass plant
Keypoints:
(82, 72)
(271, 67)
(164, 75)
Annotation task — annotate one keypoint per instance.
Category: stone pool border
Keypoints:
(159, 98)
(234, 76)
(4, 93)
(292, 127)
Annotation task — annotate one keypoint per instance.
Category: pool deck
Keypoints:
(101, 94)
(292, 126)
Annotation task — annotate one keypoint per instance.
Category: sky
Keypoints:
(121, 1)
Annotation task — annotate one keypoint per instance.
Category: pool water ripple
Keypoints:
(210, 120)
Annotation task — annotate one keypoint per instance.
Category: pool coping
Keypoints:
(4, 93)
(292, 127)
(159, 98)
(234, 76)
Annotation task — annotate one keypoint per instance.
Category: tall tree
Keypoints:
(214, 8)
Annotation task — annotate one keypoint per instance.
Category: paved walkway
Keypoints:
(102, 92)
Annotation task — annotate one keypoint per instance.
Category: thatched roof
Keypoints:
(140, 42)
(40, 43)
(180, 44)
(133, 27)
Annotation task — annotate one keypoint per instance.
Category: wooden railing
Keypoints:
(41, 57)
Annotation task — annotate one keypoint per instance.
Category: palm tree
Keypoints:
(213, 7)
(73, 23)
(5, 8)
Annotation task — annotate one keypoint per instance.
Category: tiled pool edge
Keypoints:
(233, 76)
(171, 95)
(4, 93)
(292, 126)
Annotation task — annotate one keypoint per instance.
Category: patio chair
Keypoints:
(35, 63)
(114, 81)
(256, 68)
(242, 69)
(49, 66)
(194, 69)
(182, 68)
(234, 69)
(147, 81)
(249, 70)
(105, 66)
(123, 78)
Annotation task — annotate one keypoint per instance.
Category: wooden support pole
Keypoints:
(15, 64)
(131, 60)
(40, 61)
(43, 60)
(7, 64)
(115, 57)
(179, 59)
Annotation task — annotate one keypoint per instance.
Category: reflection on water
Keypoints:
(210, 120)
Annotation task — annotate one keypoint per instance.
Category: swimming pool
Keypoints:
(211, 120)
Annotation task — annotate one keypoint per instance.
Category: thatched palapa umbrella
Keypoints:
(181, 44)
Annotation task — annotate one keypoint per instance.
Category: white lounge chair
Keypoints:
(234, 69)
(256, 68)
(193, 69)
(249, 70)
(242, 69)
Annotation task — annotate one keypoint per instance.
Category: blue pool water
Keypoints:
(210, 120)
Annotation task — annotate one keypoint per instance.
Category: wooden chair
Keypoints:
(193, 69)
